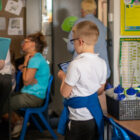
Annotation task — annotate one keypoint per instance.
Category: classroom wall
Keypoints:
(116, 39)
(34, 23)
(33, 16)
(110, 33)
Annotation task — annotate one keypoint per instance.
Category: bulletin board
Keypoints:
(130, 62)
(17, 36)
(130, 17)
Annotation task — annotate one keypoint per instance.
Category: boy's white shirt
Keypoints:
(85, 74)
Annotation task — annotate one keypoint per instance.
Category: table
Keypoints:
(132, 127)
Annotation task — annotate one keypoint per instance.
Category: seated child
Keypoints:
(82, 117)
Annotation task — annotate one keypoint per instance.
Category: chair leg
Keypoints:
(47, 125)
(37, 124)
(24, 127)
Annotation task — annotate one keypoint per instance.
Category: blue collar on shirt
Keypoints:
(92, 104)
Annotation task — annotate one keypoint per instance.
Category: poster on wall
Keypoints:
(130, 62)
(23, 2)
(2, 23)
(14, 7)
(130, 17)
(15, 26)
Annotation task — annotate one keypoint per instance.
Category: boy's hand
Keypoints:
(61, 75)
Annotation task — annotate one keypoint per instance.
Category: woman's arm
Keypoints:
(2, 63)
(28, 73)
(29, 76)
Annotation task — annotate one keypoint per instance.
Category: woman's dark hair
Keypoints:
(39, 40)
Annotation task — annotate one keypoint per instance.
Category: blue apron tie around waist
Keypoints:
(91, 103)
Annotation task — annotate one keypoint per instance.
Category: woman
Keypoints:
(36, 73)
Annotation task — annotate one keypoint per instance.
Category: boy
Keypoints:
(85, 77)
(88, 12)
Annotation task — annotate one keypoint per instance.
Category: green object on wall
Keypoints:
(68, 23)
(0, 5)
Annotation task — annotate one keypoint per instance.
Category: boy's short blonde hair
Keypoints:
(89, 6)
(86, 30)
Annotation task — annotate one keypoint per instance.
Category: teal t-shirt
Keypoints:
(42, 76)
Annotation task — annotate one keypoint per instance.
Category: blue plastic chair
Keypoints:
(18, 78)
(118, 132)
(38, 111)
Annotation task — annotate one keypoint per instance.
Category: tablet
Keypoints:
(64, 66)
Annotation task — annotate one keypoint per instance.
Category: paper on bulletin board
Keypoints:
(2, 23)
(130, 62)
(130, 17)
(15, 26)
(23, 2)
(0, 5)
(14, 7)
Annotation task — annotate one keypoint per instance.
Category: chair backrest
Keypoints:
(118, 132)
(18, 79)
(48, 93)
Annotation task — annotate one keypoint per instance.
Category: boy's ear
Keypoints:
(81, 41)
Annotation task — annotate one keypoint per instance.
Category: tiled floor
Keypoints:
(36, 135)
(32, 134)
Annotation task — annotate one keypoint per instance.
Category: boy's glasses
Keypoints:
(72, 40)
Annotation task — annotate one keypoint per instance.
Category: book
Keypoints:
(4, 46)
